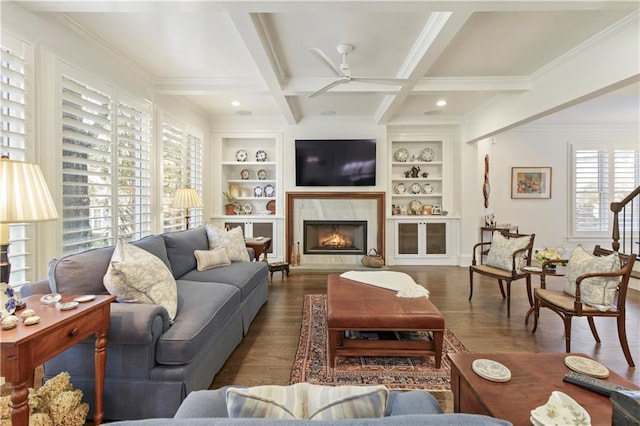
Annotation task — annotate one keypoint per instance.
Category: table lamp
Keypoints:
(186, 198)
(24, 197)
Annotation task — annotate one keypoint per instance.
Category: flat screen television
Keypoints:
(335, 162)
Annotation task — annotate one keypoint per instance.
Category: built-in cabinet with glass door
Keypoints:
(247, 167)
(422, 228)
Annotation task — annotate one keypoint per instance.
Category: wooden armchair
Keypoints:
(568, 306)
(516, 251)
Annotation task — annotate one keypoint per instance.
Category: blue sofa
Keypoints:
(411, 408)
(151, 364)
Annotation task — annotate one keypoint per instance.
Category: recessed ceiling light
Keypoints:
(244, 112)
(328, 113)
(441, 102)
(235, 103)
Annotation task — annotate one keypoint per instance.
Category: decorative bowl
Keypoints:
(561, 409)
(401, 155)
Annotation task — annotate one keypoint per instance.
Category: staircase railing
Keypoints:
(627, 213)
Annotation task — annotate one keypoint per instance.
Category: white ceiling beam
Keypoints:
(437, 33)
(207, 86)
(473, 84)
(254, 34)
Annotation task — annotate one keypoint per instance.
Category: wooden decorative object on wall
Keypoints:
(486, 188)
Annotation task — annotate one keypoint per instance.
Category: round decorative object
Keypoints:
(427, 188)
(66, 306)
(244, 174)
(586, 366)
(400, 188)
(50, 299)
(262, 174)
(257, 191)
(415, 206)
(401, 155)
(27, 313)
(85, 298)
(247, 208)
(491, 370)
(271, 206)
(34, 319)
(241, 155)
(261, 155)
(427, 154)
(7, 300)
(415, 188)
(9, 322)
(269, 191)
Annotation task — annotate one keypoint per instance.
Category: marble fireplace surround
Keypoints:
(324, 205)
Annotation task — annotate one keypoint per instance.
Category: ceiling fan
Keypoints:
(343, 72)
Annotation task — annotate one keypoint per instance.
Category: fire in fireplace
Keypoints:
(334, 236)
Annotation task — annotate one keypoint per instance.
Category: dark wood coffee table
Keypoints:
(356, 306)
(533, 377)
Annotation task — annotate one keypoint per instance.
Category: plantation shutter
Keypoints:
(14, 115)
(134, 170)
(173, 168)
(194, 174)
(87, 167)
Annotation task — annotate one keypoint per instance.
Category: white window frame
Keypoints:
(609, 188)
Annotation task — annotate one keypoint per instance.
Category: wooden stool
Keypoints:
(278, 266)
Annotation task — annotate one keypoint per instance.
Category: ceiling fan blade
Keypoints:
(390, 81)
(327, 87)
(325, 60)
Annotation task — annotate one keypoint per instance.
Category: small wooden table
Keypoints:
(554, 272)
(25, 347)
(533, 377)
(259, 245)
(360, 307)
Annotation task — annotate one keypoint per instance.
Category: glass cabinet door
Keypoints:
(408, 242)
(436, 238)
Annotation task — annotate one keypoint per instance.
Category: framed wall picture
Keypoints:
(531, 182)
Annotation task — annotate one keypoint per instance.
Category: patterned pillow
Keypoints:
(208, 259)
(232, 240)
(502, 249)
(137, 276)
(598, 292)
(308, 402)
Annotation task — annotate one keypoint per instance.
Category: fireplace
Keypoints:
(334, 236)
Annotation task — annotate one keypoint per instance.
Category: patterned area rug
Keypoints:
(396, 372)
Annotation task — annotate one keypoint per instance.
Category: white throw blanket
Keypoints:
(401, 283)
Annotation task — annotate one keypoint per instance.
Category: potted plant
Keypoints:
(231, 202)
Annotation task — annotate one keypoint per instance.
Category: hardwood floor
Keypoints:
(266, 354)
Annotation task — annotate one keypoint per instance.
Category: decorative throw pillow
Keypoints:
(208, 259)
(232, 240)
(304, 401)
(598, 292)
(502, 249)
(137, 276)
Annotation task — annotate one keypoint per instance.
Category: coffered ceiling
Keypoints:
(257, 52)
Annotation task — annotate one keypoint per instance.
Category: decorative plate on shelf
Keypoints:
(241, 155)
(416, 206)
(269, 191)
(244, 174)
(427, 188)
(257, 191)
(400, 188)
(491, 370)
(271, 206)
(586, 366)
(401, 155)
(415, 188)
(262, 174)
(247, 208)
(7, 300)
(427, 154)
(261, 155)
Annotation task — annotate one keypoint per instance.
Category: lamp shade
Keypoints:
(186, 198)
(24, 195)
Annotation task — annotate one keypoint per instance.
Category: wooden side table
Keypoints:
(259, 245)
(25, 347)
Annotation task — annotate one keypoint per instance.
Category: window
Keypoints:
(15, 75)
(602, 173)
(106, 164)
(181, 166)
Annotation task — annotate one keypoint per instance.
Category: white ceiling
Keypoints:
(257, 52)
